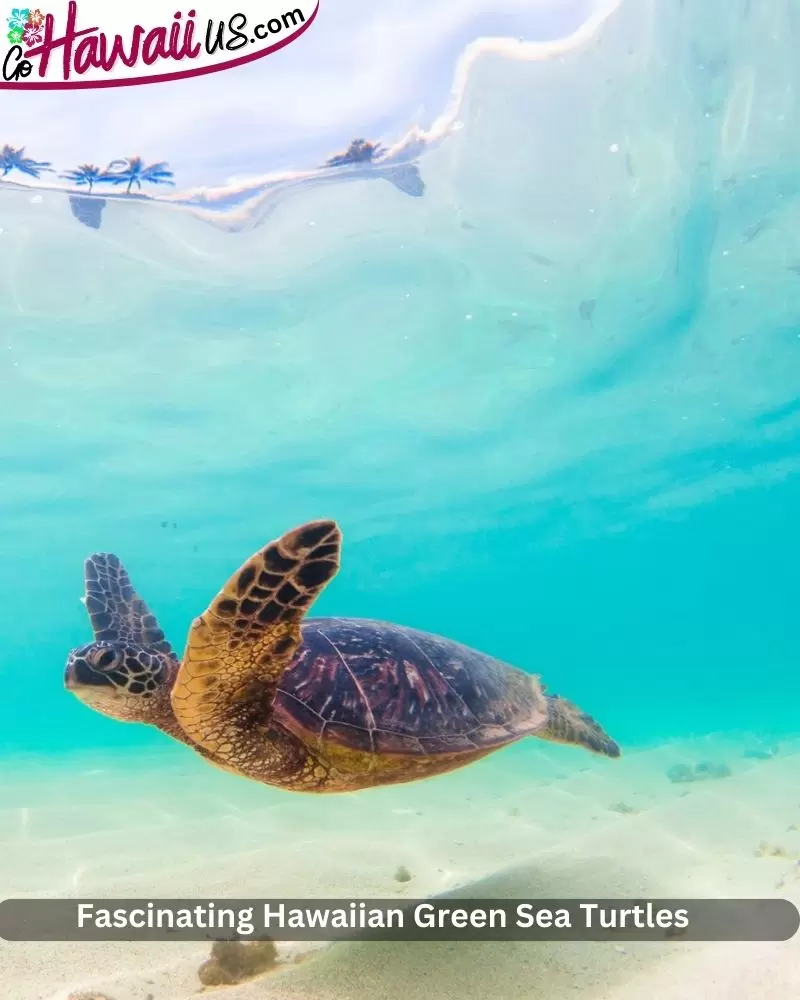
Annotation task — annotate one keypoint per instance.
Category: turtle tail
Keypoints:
(566, 723)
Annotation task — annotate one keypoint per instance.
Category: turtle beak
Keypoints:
(71, 680)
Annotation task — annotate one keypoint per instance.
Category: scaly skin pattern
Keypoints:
(316, 705)
(238, 649)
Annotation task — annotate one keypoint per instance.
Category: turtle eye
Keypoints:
(106, 659)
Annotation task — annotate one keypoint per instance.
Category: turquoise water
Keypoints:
(553, 403)
(671, 629)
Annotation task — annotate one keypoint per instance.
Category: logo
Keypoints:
(25, 26)
(96, 44)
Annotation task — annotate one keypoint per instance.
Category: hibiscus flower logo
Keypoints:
(19, 19)
(32, 35)
(25, 25)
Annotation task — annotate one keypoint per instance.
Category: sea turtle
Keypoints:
(308, 704)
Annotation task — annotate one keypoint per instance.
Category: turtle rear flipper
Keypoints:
(566, 723)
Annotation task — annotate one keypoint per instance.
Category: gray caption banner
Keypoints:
(398, 920)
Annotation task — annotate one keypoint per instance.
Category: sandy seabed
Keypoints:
(537, 820)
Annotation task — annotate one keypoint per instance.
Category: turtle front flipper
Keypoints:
(239, 647)
(116, 611)
(566, 723)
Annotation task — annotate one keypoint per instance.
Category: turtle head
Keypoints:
(126, 682)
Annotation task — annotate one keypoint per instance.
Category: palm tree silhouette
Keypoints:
(134, 170)
(12, 158)
(359, 151)
(85, 174)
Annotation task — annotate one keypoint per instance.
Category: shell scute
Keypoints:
(381, 688)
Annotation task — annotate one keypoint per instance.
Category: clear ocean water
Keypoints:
(554, 403)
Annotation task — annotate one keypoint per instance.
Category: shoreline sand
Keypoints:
(543, 822)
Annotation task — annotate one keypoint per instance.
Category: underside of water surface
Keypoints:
(554, 405)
